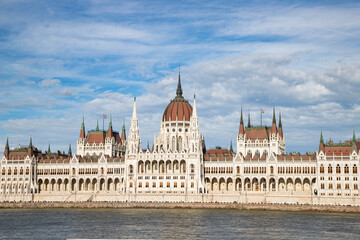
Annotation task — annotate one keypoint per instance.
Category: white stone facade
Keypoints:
(178, 168)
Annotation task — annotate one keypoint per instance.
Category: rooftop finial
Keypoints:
(97, 125)
(179, 89)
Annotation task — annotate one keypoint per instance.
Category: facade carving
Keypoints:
(109, 167)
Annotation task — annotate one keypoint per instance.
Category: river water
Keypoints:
(174, 224)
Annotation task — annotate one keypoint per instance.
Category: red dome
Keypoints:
(178, 108)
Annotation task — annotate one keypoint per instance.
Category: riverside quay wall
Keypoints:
(157, 205)
(249, 198)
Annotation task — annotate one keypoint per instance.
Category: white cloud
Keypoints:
(50, 83)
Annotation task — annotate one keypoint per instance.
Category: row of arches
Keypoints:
(82, 184)
(222, 185)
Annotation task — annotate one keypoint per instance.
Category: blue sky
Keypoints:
(62, 59)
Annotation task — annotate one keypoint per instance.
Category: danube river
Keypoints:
(175, 224)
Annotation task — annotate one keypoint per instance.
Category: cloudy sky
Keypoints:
(62, 59)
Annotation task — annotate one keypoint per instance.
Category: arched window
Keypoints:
(354, 168)
(330, 169)
(272, 170)
(338, 169)
(131, 169)
(238, 170)
(346, 169)
(27, 171)
(21, 171)
(322, 168)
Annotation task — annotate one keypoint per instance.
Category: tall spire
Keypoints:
(280, 126)
(49, 149)
(97, 125)
(179, 89)
(241, 128)
(30, 144)
(273, 129)
(134, 116)
(249, 125)
(231, 147)
(194, 113)
(147, 146)
(69, 152)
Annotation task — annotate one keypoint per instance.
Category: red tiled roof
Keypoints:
(259, 133)
(96, 137)
(337, 150)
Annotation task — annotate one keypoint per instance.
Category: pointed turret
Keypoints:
(231, 147)
(249, 125)
(354, 147)
(110, 122)
(179, 91)
(147, 146)
(109, 133)
(241, 128)
(97, 125)
(69, 152)
(49, 151)
(321, 145)
(30, 149)
(7, 149)
(280, 127)
(123, 133)
(273, 128)
(82, 131)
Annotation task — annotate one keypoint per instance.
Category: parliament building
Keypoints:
(108, 166)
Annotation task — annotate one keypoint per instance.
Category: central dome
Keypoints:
(179, 109)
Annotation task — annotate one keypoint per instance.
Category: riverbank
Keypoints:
(262, 207)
